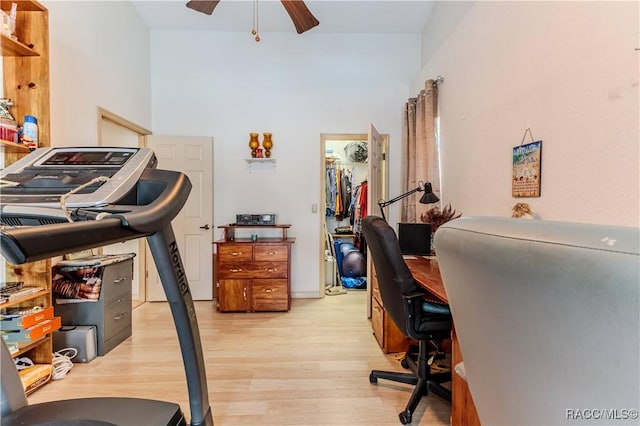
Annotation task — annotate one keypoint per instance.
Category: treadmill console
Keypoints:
(38, 180)
(93, 158)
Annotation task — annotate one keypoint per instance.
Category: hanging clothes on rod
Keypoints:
(339, 188)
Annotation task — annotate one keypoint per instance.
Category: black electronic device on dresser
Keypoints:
(256, 219)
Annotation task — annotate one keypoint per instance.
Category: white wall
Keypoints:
(99, 56)
(566, 69)
(226, 85)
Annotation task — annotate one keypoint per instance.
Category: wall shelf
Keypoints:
(260, 160)
(8, 146)
(11, 47)
(255, 164)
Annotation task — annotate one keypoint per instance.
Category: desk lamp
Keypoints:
(427, 198)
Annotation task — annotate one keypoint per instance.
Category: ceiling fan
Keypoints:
(302, 18)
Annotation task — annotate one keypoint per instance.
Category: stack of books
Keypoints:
(16, 290)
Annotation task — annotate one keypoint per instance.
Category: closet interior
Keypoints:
(346, 170)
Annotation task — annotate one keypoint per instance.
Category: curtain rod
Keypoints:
(438, 80)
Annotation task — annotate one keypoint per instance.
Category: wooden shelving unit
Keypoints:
(25, 68)
(13, 148)
(230, 230)
(26, 65)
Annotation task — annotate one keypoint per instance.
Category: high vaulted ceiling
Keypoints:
(335, 16)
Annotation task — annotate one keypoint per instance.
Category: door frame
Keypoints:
(105, 115)
(324, 137)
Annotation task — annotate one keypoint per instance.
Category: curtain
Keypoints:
(420, 149)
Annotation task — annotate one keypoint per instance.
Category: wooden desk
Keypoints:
(426, 272)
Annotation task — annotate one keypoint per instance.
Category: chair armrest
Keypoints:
(413, 303)
(415, 294)
(427, 303)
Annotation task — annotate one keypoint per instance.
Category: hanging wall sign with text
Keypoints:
(526, 170)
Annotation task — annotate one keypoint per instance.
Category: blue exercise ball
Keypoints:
(345, 248)
(354, 264)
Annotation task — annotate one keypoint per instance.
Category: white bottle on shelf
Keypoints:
(30, 132)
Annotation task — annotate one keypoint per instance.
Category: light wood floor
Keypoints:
(309, 366)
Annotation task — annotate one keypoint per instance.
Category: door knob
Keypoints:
(204, 227)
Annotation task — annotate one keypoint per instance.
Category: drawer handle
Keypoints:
(119, 280)
(235, 270)
(120, 316)
(271, 253)
(244, 294)
(269, 290)
(272, 269)
(236, 253)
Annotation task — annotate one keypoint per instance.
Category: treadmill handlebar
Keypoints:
(160, 195)
(21, 245)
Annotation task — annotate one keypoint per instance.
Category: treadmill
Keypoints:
(61, 200)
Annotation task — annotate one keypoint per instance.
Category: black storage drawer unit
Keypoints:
(111, 314)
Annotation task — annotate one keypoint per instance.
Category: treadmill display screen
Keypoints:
(88, 158)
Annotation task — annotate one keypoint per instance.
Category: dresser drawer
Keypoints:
(234, 270)
(271, 253)
(270, 295)
(116, 280)
(117, 316)
(235, 252)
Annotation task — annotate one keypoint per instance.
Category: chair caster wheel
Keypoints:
(372, 378)
(404, 363)
(405, 417)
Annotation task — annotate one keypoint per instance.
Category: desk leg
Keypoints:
(463, 410)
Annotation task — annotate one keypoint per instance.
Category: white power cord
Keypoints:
(61, 363)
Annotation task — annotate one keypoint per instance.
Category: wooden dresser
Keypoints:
(253, 275)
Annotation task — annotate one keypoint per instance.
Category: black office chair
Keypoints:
(404, 301)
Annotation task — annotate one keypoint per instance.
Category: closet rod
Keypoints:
(344, 163)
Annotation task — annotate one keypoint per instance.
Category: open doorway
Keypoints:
(347, 165)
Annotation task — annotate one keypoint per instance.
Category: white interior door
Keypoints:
(377, 188)
(192, 227)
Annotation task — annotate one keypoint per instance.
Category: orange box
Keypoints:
(19, 320)
(35, 376)
(33, 333)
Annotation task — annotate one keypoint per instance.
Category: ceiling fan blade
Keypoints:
(302, 18)
(204, 6)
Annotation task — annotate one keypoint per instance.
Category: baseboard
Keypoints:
(306, 295)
